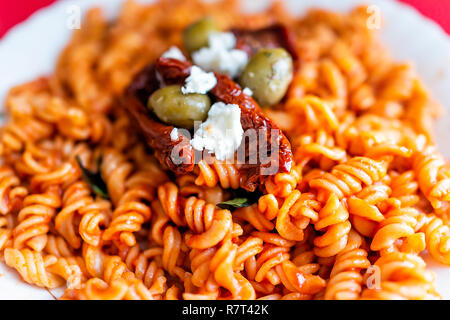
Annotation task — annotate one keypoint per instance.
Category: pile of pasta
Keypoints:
(369, 191)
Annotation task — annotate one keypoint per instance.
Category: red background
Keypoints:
(15, 11)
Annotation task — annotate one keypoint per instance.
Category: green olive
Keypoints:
(268, 74)
(197, 34)
(173, 107)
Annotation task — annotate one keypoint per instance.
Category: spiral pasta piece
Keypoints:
(255, 217)
(202, 276)
(131, 211)
(318, 147)
(437, 237)
(282, 184)
(433, 182)
(95, 216)
(346, 279)
(53, 111)
(34, 219)
(94, 260)
(115, 268)
(227, 175)
(209, 225)
(22, 131)
(247, 251)
(399, 224)
(332, 73)
(314, 110)
(222, 267)
(366, 208)
(287, 228)
(88, 92)
(334, 217)
(66, 174)
(32, 267)
(268, 206)
(172, 249)
(187, 187)
(35, 159)
(57, 246)
(126, 219)
(297, 281)
(5, 232)
(267, 260)
(75, 197)
(115, 168)
(119, 289)
(404, 188)
(401, 276)
(71, 269)
(146, 264)
(169, 238)
(11, 193)
(348, 178)
(134, 266)
(168, 196)
(364, 204)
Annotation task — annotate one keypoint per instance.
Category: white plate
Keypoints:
(30, 49)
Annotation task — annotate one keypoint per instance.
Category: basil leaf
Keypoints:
(94, 179)
(241, 198)
(234, 203)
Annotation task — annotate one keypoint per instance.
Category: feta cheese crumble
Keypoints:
(199, 81)
(174, 53)
(225, 40)
(247, 91)
(220, 56)
(281, 68)
(174, 134)
(222, 131)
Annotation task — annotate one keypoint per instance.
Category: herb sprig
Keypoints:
(240, 198)
(94, 179)
(234, 203)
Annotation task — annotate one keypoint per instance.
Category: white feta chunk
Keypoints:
(281, 68)
(199, 81)
(220, 56)
(225, 40)
(174, 53)
(247, 91)
(222, 131)
(174, 134)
